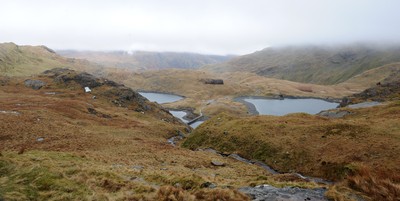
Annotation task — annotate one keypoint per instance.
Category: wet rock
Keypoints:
(334, 113)
(266, 192)
(34, 84)
(217, 163)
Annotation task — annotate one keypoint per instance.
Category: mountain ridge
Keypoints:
(143, 60)
(312, 63)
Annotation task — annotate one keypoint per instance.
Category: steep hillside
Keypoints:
(141, 60)
(18, 60)
(312, 64)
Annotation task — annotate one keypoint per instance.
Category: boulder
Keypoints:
(34, 84)
(217, 163)
(212, 81)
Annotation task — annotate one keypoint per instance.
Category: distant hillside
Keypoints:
(18, 60)
(141, 60)
(312, 64)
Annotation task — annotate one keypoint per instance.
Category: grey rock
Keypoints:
(208, 185)
(334, 113)
(217, 163)
(364, 104)
(270, 193)
(34, 84)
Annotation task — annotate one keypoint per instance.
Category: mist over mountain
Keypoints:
(141, 60)
(320, 64)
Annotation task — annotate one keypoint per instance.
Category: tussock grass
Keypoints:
(361, 149)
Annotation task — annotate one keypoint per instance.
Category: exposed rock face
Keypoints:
(34, 84)
(381, 92)
(270, 193)
(212, 81)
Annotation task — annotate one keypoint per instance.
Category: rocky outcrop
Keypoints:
(334, 113)
(34, 84)
(381, 92)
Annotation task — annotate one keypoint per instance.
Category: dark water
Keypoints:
(161, 97)
(282, 107)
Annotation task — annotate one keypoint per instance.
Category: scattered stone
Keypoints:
(208, 185)
(334, 113)
(34, 84)
(163, 168)
(39, 139)
(217, 163)
(94, 97)
(266, 192)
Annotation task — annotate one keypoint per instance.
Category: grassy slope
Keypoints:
(27, 60)
(85, 156)
(369, 139)
(146, 60)
(312, 64)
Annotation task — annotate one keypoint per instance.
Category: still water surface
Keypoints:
(160, 98)
(286, 106)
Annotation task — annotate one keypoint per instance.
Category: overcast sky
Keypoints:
(204, 26)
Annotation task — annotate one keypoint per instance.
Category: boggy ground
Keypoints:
(60, 143)
(359, 151)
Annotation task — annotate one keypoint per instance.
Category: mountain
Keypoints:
(18, 60)
(312, 64)
(146, 60)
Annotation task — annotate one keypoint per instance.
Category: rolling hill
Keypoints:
(26, 60)
(141, 60)
(312, 64)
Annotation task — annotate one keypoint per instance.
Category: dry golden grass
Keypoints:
(120, 157)
(361, 148)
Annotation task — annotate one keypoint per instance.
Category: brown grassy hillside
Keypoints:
(312, 64)
(18, 60)
(59, 143)
(360, 151)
